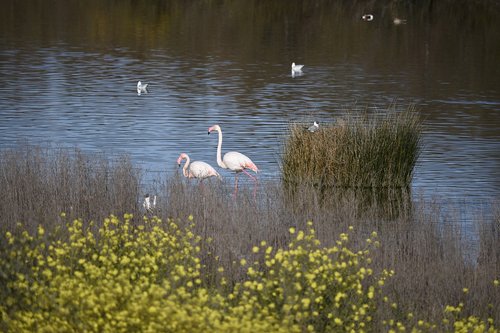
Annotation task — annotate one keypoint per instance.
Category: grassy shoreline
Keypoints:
(427, 255)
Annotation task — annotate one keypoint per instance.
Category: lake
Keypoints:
(69, 69)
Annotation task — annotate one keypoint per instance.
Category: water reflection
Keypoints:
(71, 78)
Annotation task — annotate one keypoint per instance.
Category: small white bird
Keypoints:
(147, 204)
(398, 21)
(313, 128)
(367, 17)
(141, 88)
(296, 68)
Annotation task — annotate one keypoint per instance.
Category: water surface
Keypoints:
(68, 74)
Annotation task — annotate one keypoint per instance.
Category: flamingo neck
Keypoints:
(185, 167)
(219, 151)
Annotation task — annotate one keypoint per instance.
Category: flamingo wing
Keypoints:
(202, 170)
(238, 162)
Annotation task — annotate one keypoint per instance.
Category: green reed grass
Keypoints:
(369, 150)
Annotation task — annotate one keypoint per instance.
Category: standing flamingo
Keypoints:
(197, 169)
(234, 161)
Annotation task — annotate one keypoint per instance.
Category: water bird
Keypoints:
(313, 128)
(296, 68)
(196, 169)
(367, 17)
(234, 161)
(141, 88)
(147, 204)
(398, 21)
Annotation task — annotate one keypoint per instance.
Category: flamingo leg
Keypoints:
(249, 175)
(235, 185)
(255, 180)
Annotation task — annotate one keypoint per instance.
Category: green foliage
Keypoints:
(147, 278)
(367, 151)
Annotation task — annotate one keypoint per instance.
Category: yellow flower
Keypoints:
(306, 302)
(255, 249)
(243, 262)
(292, 230)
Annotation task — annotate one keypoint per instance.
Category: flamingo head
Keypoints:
(213, 128)
(182, 157)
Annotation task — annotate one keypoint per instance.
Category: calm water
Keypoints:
(68, 74)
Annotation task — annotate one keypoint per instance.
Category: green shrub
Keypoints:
(371, 151)
(147, 278)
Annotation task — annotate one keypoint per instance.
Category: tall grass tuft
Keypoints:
(38, 183)
(365, 151)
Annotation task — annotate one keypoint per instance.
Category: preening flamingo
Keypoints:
(234, 161)
(196, 169)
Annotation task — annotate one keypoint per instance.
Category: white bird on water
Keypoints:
(296, 68)
(196, 169)
(141, 88)
(367, 17)
(398, 21)
(313, 128)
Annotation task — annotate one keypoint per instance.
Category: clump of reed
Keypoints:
(38, 183)
(357, 151)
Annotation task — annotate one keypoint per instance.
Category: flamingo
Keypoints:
(197, 169)
(234, 161)
(141, 88)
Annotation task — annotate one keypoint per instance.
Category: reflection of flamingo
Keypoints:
(197, 169)
(234, 161)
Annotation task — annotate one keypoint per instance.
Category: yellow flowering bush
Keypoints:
(146, 277)
(308, 287)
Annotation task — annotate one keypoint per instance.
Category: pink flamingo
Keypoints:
(234, 161)
(197, 169)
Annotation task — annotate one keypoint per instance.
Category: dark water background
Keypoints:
(68, 74)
